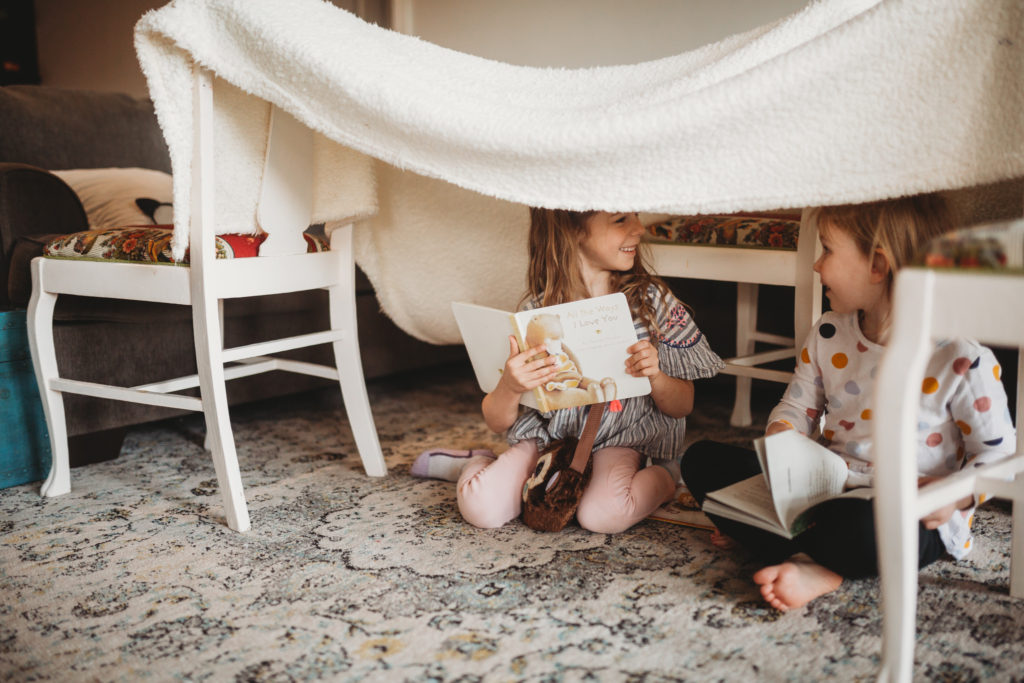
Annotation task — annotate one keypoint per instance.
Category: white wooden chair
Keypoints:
(282, 266)
(930, 305)
(749, 268)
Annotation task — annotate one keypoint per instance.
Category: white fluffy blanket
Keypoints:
(846, 100)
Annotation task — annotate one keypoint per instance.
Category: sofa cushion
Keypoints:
(52, 128)
(759, 232)
(142, 244)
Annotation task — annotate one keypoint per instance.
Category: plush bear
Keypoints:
(569, 387)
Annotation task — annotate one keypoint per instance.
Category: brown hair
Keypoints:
(898, 227)
(554, 275)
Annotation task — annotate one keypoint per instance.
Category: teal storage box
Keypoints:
(24, 440)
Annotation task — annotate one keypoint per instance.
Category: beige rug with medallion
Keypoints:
(133, 575)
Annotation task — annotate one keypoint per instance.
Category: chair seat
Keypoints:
(152, 244)
(748, 232)
(998, 246)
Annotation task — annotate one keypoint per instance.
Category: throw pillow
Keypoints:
(117, 197)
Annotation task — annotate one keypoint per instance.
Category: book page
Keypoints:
(751, 498)
(800, 473)
(590, 338)
(485, 332)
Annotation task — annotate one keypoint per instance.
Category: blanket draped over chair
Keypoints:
(843, 101)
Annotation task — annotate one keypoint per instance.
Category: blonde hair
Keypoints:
(554, 275)
(898, 228)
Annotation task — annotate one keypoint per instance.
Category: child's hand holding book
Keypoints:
(526, 370)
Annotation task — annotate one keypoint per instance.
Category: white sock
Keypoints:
(443, 463)
(671, 465)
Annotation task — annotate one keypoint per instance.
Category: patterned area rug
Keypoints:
(133, 575)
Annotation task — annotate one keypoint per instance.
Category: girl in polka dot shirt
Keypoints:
(963, 414)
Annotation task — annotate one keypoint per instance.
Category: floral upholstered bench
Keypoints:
(756, 232)
(773, 249)
(998, 246)
(152, 244)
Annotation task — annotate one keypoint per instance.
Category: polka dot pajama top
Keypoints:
(963, 418)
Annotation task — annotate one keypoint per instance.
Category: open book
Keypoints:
(796, 474)
(589, 337)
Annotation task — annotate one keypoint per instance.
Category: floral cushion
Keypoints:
(996, 246)
(152, 244)
(760, 232)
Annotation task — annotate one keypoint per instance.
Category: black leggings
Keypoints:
(842, 532)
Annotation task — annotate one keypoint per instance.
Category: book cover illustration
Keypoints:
(682, 509)
(589, 337)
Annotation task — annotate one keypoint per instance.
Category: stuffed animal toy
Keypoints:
(552, 494)
(569, 387)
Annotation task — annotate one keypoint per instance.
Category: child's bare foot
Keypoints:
(796, 582)
(720, 540)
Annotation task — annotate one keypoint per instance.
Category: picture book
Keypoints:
(683, 509)
(589, 337)
(797, 473)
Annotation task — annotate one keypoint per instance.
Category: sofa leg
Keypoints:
(95, 447)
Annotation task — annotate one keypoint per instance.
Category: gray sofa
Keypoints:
(128, 343)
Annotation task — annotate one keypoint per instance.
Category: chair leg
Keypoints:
(746, 326)
(896, 400)
(1017, 541)
(208, 439)
(342, 301)
(44, 357)
(1017, 530)
(219, 438)
(897, 560)
(353, 384)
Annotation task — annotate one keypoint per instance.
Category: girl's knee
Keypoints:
(709, 465)
(483, 506)
(483, 513)
(604, 516)
(698, 454)
(489, 491)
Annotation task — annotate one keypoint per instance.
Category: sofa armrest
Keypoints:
(32, 202)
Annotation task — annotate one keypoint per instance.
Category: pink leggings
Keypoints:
(619, 494)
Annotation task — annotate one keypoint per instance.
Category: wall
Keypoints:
(88, 45)
(579, 33)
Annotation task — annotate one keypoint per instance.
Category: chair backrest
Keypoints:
(952, 298)
(983, 307)
(286, 193)
(285, 203)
